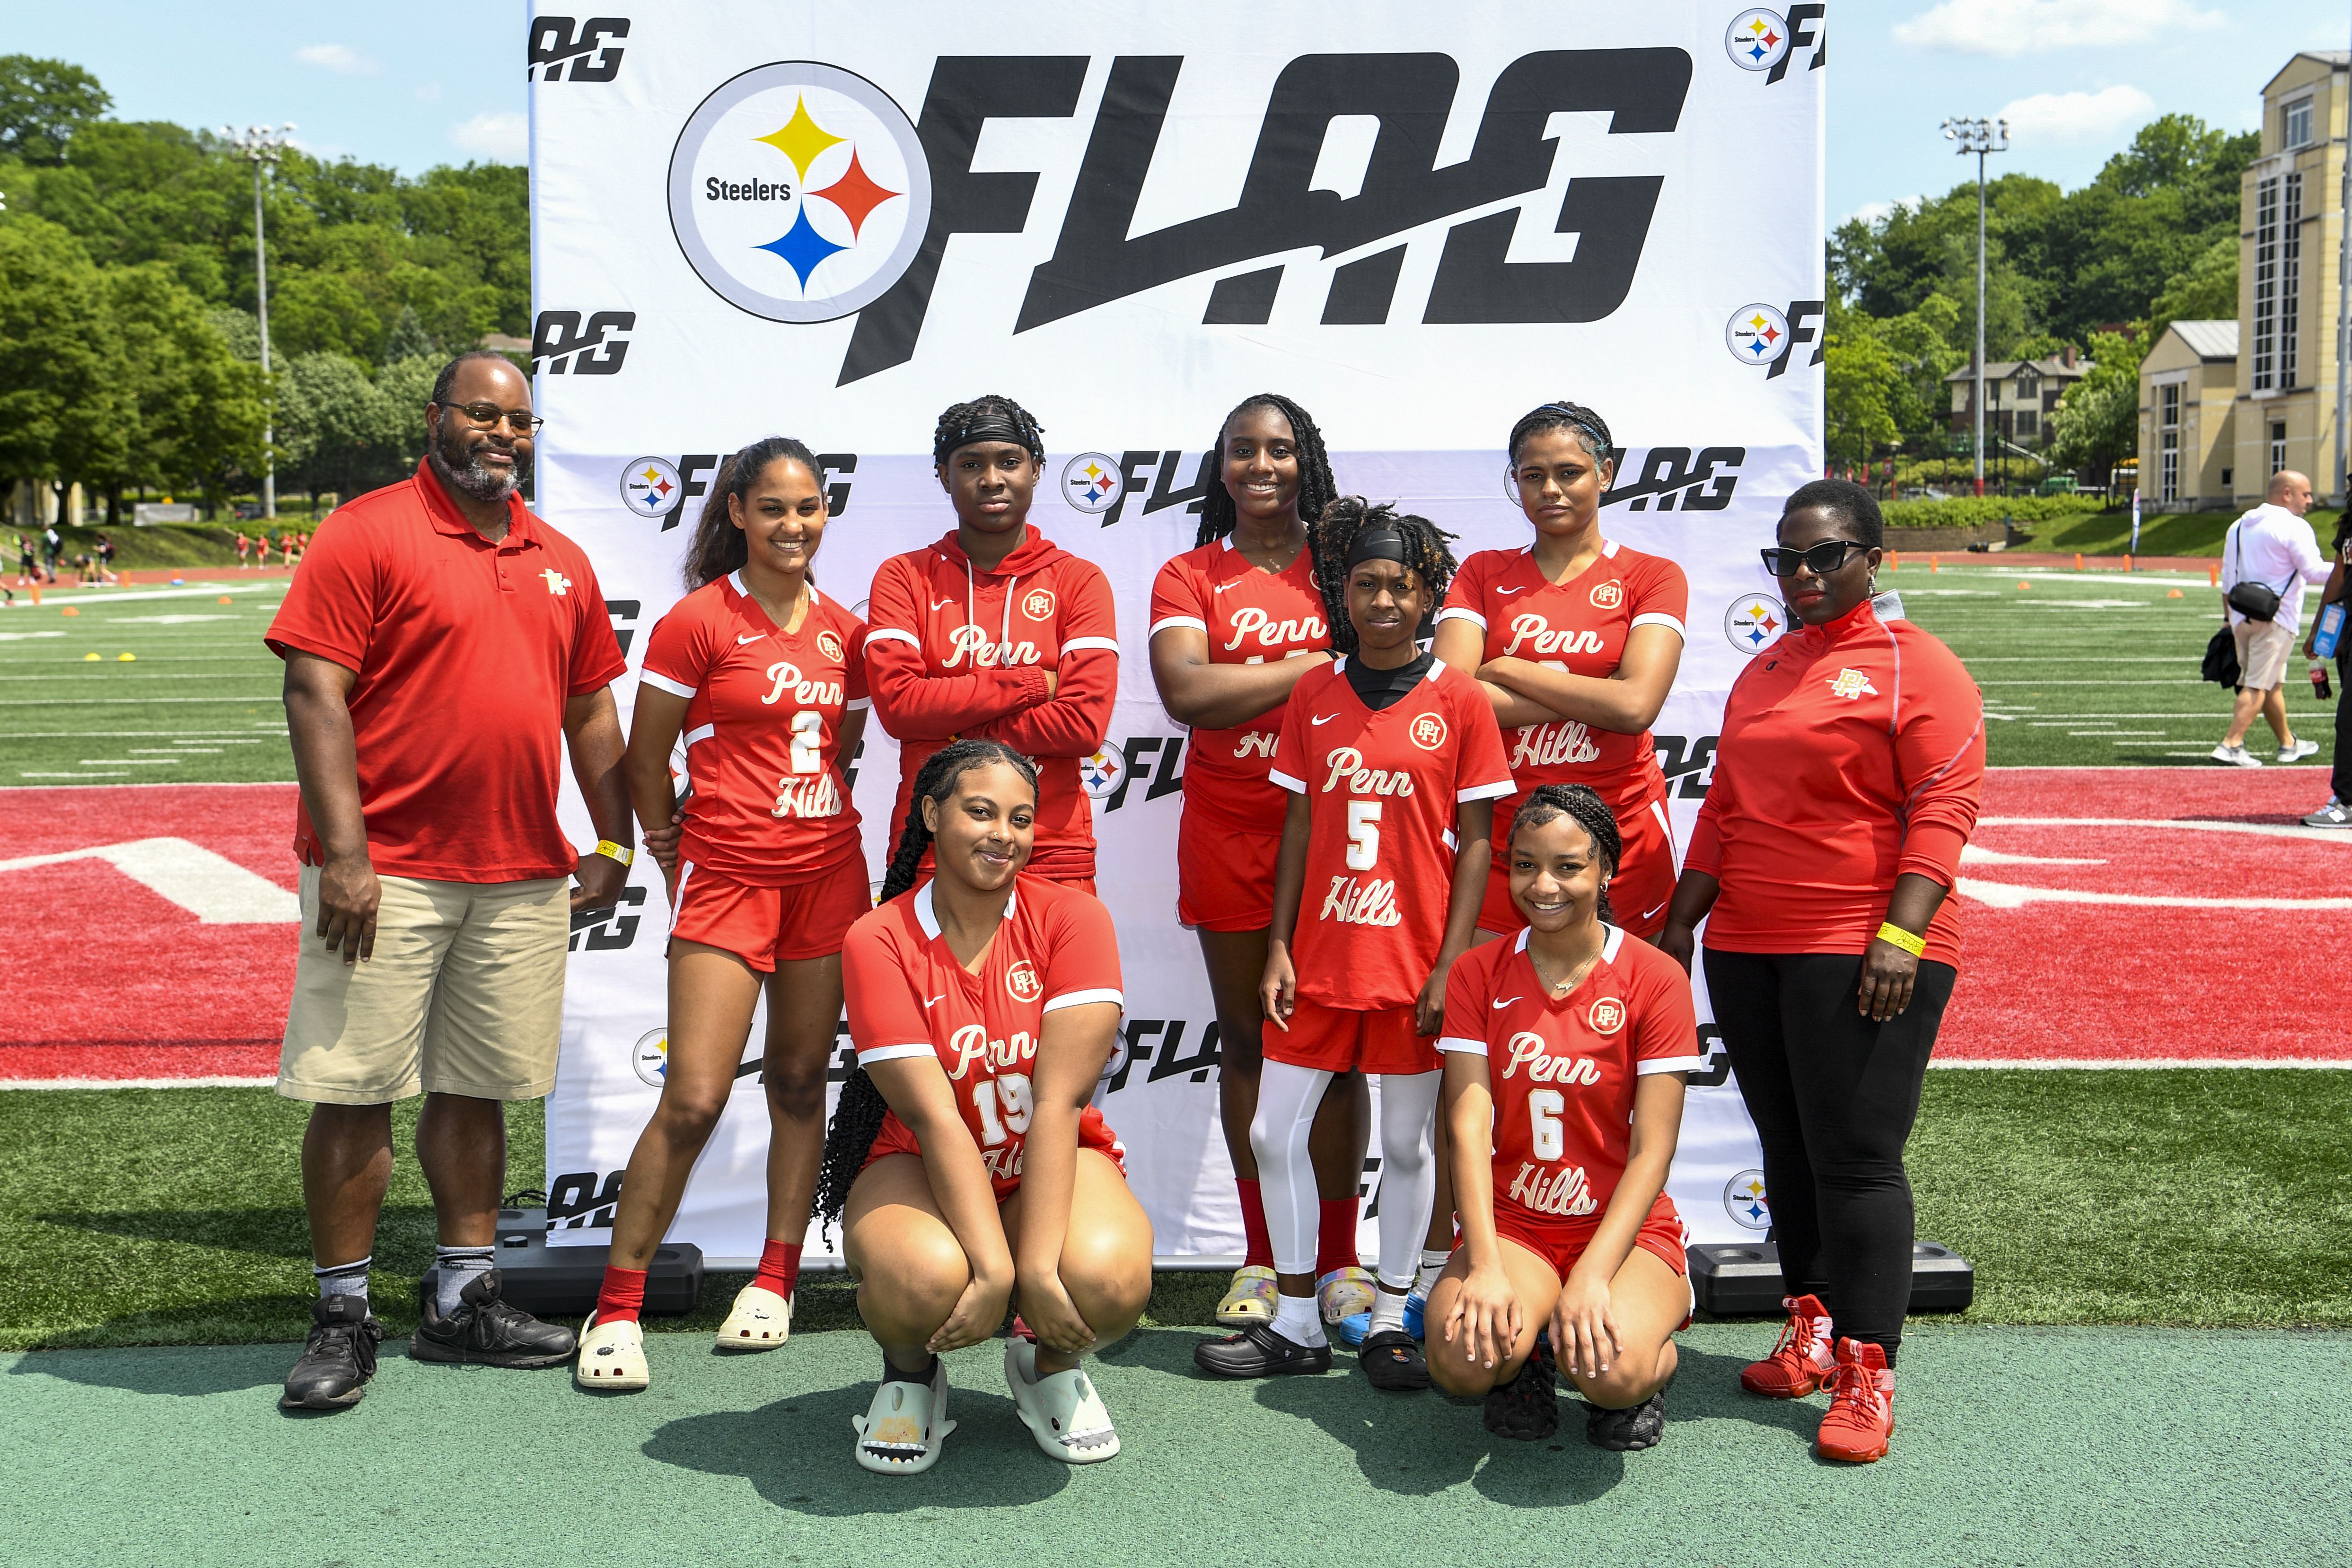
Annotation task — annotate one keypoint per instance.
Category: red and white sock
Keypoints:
(623, 1296)
(780, 1267)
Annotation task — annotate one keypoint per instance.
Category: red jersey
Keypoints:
(1382, 788)
(1579, 626)
(1249, 617)
(1563, 1069)
(1851, 754)
(771, 806)
(952, 652)
(909, 996)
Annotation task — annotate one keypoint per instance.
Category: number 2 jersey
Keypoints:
(909, 996)
(1381, 790)
(1563, 1069)
(771, 804)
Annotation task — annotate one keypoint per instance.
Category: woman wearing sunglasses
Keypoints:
(1845, 786)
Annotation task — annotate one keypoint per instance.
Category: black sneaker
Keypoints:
(484, 1330)
(1627, 1431)
(1527, 1409)
(1258, 1352)
(339, 1358)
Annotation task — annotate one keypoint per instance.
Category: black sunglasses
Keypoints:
(1824, 558)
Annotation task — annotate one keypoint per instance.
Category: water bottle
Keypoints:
(2320, 690)
(2329, 632)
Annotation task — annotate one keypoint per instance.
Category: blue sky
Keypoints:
(414, 86)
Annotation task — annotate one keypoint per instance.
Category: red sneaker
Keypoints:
(1801, 1362)
(1861, 1405)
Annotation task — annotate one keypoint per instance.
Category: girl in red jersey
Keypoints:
(1575, 639)
(1845, 788)
(764, 676)
(1566, 1050)
(1394, 764)
(996, 632)
(1235, 622)
(965, 1160)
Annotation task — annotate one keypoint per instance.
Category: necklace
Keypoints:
(1567, 983)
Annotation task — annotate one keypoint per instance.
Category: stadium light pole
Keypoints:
(262, 147)
(2343, 305)
(1980, 137)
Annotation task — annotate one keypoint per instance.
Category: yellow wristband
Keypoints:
(1890, 931)
(612, 851)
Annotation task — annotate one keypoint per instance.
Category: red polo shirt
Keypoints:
(467, 652)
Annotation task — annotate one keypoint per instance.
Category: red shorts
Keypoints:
(1638, 893)
(897, 1138)
(765, 926)
(1336, 1040)
(1225, 880)
(1560, 1243)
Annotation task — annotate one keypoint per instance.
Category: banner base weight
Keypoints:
(563, 1282)
(1743, 1279)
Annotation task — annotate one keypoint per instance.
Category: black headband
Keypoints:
(989, 427)
(1379, 542)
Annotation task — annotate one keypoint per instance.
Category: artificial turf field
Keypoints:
(2057, 1421)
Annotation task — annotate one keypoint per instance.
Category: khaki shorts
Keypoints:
(2262, 648)
(464, 996)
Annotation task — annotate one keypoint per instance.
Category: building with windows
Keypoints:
(2188, 418)
(2019, 396)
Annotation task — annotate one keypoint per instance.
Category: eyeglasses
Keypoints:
(1824, 558)
(490, 415)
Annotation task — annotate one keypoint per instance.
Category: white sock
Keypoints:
(1287, 1098)
(1408, 1171)
(458, 1268)
(1294, 1317)
(1388, 1311)
(1432, 1264)
(344, 1278)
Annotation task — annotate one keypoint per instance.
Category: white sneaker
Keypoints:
(2236, 756)
(1062, 1410)
(2298, 751)
(2335, 814)
(761, 1320)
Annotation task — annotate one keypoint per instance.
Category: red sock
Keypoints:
(780, 1267)
(623, 1296)
(1258, 1246)
(1335, 1244)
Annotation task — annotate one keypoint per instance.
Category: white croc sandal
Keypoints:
(1251, 1298)
(904, 1429)
(761, 1320)
(611, 1357)
(1062, 1410)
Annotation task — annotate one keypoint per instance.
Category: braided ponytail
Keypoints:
(1334, 535)
(857, 1116)
(1590, 812)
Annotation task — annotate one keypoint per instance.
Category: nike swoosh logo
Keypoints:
(1221, 588)
(942, 604)
(941, 998)
(1326, 718)
(1521, 588)
(1648, 912)
(1500, 1006)
(755, 637)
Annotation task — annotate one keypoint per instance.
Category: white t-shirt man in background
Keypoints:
(2270, 544)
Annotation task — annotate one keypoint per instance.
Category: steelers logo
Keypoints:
(1743, 1200)
(1756, 334)
(1022, 982)
(1092, 483)
(1428, 732)
(829, 646)
(1606, 1016)
(1608, 595)
(1753, 623)
(1756, 40)
(649, 486)
(1038, 604)
(1101, 772)
(650, 1056)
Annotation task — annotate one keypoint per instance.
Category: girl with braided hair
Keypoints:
(996, 632)
(765, 677)
(1566, 1053)
(1235, 623)
(1393, 763)
(965, 1162)
(1575, 639)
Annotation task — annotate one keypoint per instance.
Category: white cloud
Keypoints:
(1872, 212)
(2102, 116)
(2012, 27)
(503, 138)
(340, 59)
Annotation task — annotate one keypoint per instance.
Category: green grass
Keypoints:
(2098, 669)
(174, 1217)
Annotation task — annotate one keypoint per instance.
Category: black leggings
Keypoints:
(1832, 1096)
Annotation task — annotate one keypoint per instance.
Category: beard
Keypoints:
(458, 470)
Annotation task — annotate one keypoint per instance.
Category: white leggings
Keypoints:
(1287, 1098)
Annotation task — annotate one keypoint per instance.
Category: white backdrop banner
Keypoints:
(1418, 221)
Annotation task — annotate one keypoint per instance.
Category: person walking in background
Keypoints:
(441, 647)
(2270, 553)
(28, 571)
(1845, 788)
(244, 550)
(53, 550)
(2337, 813)
(106, 559)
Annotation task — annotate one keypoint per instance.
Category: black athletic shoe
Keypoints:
(1258, 1352)
(1626, 1431)
(1526, 1409)
(1393, 1363)
(339, 1358)
(484, 1330)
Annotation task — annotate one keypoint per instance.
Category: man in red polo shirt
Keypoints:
(441, 645)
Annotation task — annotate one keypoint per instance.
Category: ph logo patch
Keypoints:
(556, 583)
(1852, 684)
(1038, 604)
(1608, 595)
(829, 646)
(1021, 981)
(1606, 1016)
(1428, 732)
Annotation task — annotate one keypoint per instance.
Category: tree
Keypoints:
(332, 425)
(2207, 291)
(59, 400)
(42, 104)
(189, 414)
(2097, 419)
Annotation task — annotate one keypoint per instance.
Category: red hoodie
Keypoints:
(1851, 753)
(955, 653)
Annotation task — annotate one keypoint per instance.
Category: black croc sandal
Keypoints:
(1393, 1363)
(1627, 1431)
(1258, 1352)
(1526, 1409)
